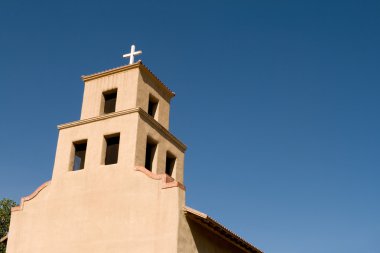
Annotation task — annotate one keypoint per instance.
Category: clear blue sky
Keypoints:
(278, 102)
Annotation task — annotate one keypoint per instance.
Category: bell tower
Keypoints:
(124, 123)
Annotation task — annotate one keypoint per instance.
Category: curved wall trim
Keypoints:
(29, 197)
(167, 181)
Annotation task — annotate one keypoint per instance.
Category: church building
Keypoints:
(118, 179)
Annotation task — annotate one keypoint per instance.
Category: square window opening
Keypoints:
(109, 101)
(79, 155)
(170, 163)
(151, 147)
(152, 106)
(112, 149)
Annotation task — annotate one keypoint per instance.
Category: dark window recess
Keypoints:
(80, 155)
(112, 150)
(149, 155)
(152, 106)
(170, 162)
(110, 101)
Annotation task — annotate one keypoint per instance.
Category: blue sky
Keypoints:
(278, 102)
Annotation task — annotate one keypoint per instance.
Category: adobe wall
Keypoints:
(196, 238)
(134, 87)
(114, 210)
(102, 208)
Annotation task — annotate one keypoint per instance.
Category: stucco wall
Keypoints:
(126, 84)
(197, 238)
(148, 86)
(134, 87)
(163, 145)
(111, 209)
(102, 208)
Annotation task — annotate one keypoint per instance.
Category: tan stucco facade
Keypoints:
(121, 207)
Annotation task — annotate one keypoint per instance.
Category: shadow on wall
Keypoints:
(208, 240)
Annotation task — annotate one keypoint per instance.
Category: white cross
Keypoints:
(132, 54)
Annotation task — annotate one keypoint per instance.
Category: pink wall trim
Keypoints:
(29, 197)
(167, 181)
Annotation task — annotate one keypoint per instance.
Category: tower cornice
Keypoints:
(139, 65)
(143, 115)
